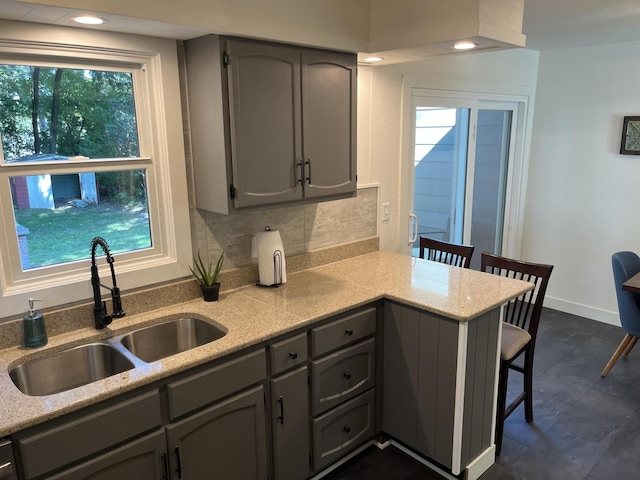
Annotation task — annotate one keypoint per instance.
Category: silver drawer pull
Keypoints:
(5, 465)
(348, 331)
(293, 355)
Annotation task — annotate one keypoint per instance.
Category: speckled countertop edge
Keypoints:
(253, 315)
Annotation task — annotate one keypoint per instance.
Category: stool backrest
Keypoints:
(523, 311)
(446, 252)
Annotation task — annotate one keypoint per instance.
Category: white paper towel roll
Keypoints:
(271, 262)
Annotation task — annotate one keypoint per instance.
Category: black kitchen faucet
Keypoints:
(102, 319)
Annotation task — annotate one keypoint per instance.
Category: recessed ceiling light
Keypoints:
(464, 45)
(88, 20)
(373, 59)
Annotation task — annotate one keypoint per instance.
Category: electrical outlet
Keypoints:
(386, 212)
(254, 248)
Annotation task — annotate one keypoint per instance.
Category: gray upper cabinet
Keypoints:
(270, 124)
(329, 121)
(264, 101)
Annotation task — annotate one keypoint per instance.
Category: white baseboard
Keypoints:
(424, 461)
(586, 311)
(481, 464)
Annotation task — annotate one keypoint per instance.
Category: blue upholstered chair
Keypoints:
(625, 265)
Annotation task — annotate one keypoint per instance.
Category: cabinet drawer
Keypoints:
(210, 385)
(342, 429)
(89, 434)
(342, 375)
(288, 353)
(342, 332)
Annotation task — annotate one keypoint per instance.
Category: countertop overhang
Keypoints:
(253, 315)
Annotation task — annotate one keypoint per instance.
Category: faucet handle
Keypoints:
(117, 303)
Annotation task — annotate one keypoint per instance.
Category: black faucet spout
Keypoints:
(102, 319)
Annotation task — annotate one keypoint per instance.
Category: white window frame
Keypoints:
(154, 65)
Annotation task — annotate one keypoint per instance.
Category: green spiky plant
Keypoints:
(205, 274)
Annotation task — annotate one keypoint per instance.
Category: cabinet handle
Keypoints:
(347, 375)
(308, 163)
(348, 331)
(301, 177)
(179, 466)
(293, 355)
(165, 465)
(281, 417)
(347, 429)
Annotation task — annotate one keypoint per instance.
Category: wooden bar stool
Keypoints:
(519, 330)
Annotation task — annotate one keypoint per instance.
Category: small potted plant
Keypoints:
(207, 277)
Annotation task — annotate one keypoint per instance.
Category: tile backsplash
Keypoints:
(303, 228)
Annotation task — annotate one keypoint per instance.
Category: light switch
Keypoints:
(386, 212)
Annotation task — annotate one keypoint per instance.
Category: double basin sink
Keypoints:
(91, 362)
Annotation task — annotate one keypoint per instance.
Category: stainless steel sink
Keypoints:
(69, 369)
(165, 339)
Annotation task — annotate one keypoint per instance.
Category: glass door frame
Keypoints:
(514, 191)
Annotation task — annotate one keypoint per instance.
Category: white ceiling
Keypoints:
(548, 24)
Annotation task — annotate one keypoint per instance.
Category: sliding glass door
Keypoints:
(459, 171)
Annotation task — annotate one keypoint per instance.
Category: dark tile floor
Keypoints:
(585, 427)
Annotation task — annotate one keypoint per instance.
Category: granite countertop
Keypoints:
(252, 315)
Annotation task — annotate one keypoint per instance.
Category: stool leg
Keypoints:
(528, 386)
(503, 380)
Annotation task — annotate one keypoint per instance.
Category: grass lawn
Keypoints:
(65, 234)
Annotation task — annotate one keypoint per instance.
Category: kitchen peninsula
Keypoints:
(421, 311)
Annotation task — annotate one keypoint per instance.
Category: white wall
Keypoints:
(583, 195)
(510, 72)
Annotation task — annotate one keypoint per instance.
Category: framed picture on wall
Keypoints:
(630, 144)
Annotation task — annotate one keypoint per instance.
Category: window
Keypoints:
(54, 114)
(91, 146)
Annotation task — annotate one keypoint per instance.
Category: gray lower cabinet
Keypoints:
(270, 123)
(426, 405)
(290, 415)
(342, 385)
(226, 441)
(209, 423)
(142, 459)
(289, 401)
(81, 436)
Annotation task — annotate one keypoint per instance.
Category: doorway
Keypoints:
(459, 171)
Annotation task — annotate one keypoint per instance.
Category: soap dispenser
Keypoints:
(35, 334)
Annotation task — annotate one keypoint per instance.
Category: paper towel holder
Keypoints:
(278, 267)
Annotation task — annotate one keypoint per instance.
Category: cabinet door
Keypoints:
(290, 414)
(226, 441)
(143, 459)
(329, 122)
(264, 104)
